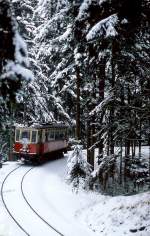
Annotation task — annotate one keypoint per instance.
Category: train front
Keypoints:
(26, 146)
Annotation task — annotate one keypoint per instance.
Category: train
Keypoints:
(37, 142)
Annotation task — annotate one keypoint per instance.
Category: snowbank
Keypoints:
(118, 216)
(91, 212)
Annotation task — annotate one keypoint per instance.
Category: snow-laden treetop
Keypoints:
(104, 28)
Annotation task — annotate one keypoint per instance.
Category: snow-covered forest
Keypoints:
(85, 63)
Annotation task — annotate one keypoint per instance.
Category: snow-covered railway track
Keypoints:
(5, 204)
(23, 194)
(20, 210)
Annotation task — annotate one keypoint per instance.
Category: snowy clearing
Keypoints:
(72, 214)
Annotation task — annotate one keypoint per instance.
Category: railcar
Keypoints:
(35, 143)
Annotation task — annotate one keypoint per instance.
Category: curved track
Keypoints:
(27, 203)
(23, 194)
(5, 204)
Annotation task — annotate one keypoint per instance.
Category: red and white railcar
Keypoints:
(35, 143)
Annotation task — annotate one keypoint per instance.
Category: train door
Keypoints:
(40, 141)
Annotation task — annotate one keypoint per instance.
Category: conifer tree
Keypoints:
(112, 38)
(13, 62)
(14, 73)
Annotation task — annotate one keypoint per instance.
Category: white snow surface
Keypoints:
(13, 69)
(104, 28)
(82, 214)
(20, 45)
(85, 6)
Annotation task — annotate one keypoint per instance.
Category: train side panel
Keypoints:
(32, 151)
(54, 146)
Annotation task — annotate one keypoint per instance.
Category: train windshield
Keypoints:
(25, 135)
(28, 136)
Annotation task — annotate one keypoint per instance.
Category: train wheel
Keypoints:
(60, 154)
(36, 162)
(65, 150)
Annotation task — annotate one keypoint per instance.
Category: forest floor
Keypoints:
(72, 214)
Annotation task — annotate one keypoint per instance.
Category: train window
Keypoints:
(56, 134)
(39, 136)
(65, 133)
(34, 136)
(51, 135)
(46, 135)
(25, 134)
(61, 134)
(17, 135)
(43, 135)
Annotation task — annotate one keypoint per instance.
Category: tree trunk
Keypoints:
(121, 161)
(140, 143)
(88, 133)
(90, 153)
(112, 106)
(101, 95)
(11, 133)
(78, 131)
(149, 148)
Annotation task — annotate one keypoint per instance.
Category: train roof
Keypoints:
(42, 125)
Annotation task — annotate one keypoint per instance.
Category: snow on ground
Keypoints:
(7, 225)
(119, 215)
(53, 199)
(81, 214)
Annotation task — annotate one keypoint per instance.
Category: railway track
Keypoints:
(22, 228)
(5, 204)
(23, 194)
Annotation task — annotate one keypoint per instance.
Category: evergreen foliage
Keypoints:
(90, 61)
(78, 172)
(111, 35)
(13, 61)
(14, 73)
(47, 27)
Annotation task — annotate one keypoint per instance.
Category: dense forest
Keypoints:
(86, 63)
